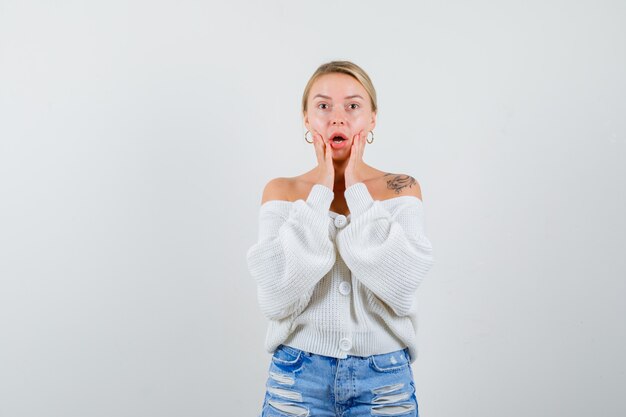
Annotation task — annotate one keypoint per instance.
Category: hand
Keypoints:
(355, 163)
(324, 154)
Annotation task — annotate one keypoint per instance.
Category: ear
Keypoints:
(306, 121)
(373, 122)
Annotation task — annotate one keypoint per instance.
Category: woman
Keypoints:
(340, 254)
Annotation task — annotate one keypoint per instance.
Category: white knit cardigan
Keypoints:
(339, 285)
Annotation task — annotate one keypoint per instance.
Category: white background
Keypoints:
(136, 138)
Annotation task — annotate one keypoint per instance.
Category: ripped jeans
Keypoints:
(305, 384)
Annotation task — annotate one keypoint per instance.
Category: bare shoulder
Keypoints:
(288, 188)
(397, 185)
(277, 189)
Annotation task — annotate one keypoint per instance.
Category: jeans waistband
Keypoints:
(295, 351)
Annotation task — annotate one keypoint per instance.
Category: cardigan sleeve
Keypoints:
(293, 252)
(386, 251)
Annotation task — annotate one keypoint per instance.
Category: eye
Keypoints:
(322, 104)
(354, 104)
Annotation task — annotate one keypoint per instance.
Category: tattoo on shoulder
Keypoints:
(398, 182)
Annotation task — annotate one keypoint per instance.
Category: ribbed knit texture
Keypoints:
(302, 256)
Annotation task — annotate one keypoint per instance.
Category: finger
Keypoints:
(319, 147)
(364, 135)
(329, 153)
(322, 154)
(320, 139)
(357, 148)
(353, 150)
(323, 147)
(361, 143)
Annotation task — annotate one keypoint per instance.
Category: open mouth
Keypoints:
(338, 137)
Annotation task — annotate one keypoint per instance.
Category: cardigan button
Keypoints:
(345, 344)
(344, 287)
(340, 221)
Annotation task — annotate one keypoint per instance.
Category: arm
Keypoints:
(293, 252)
(388, 253)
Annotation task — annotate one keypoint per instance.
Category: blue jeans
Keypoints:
(305, 384)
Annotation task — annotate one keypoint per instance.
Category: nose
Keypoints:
(338, 116)
(338, 120)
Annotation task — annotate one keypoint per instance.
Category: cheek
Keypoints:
(317, 122)
(360, 120)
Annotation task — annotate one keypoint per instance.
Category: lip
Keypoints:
(338, 133)
(342, 144)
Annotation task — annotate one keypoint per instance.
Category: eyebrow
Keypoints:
(328, 98)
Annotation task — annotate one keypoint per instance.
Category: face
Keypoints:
(339, 104)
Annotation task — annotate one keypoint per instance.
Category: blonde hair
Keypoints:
(343, 67)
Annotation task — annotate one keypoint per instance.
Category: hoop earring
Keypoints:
(307, 139)
(368, 141)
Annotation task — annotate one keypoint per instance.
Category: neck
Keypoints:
(340, 169)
